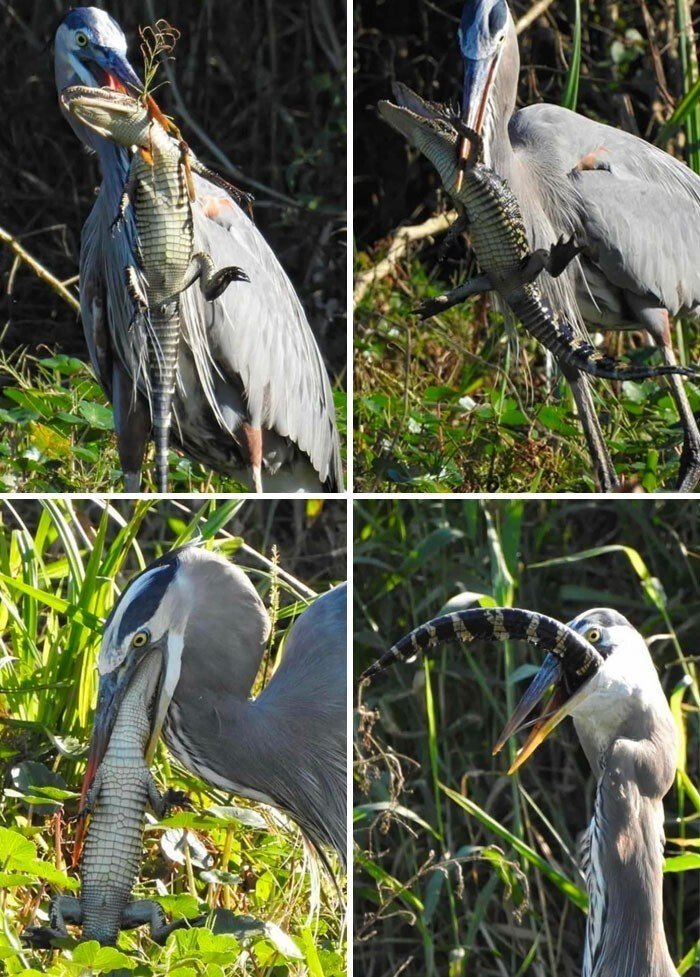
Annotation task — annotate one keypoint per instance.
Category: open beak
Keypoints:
(560, 704)
(117, 73)
(111, 692)
(478, 78)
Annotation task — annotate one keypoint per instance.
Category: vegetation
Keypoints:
(265, 105)
(61, 567)
(58, 433)
(454, 403)
(460, 869)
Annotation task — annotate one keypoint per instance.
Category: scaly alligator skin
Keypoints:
(497, 233)
(158, 190)
(113, 849)
(579, 658)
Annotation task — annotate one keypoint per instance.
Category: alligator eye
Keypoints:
(81, 39)
(140, 639)
(593, 635)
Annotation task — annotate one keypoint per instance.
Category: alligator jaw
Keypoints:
(431, 133)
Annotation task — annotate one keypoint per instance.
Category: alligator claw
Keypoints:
(40, 937)
(179, 798)
(562, 254)
(432, 307)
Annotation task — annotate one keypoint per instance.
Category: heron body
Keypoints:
(604, 677)
(288, 746)
(253, 398)
(633, 210)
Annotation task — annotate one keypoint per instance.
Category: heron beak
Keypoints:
(113, 70)
(478, 78)
(560, 704)
(112, 688)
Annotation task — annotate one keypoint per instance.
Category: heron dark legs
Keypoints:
(605, 473)
(132, 425)
(657, 323)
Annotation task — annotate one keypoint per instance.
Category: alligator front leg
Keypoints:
(212, 282)
(475, 286)
(555, 260)
(124, 201)
(64, 909)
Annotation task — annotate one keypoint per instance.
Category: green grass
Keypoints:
(62, 565)
(460, 869)
(58, 434)
(447, 405)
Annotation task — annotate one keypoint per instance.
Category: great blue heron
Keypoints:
(634, 210)
(287, 747)
(603, 677)
(253, 397)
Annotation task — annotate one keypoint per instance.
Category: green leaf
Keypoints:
(688, 862)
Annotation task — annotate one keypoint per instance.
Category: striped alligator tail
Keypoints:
(164, 341)
(559, 338)
(578, 657)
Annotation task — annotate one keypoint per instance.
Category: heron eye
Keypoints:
(593, 636)
(140, 639)
(81, 39)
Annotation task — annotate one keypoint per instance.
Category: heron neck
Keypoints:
(114, 165)
(624, 933)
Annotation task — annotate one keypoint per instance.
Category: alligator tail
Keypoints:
(164, 348)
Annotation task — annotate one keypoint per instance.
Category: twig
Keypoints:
(219, 154)
(397, 249)
(39, 270)
(533, 13)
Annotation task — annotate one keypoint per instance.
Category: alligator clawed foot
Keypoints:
(40, 937)
(177, 798)
(561, 255)
(432, 307)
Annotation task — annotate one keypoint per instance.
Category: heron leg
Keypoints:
(657, 322)
(475, 286)
(605, 473)
(252, 436)
(132, 425)
(212, 282)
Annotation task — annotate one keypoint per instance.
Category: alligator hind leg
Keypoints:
(475, 286)
(64, 909)
(143, 912)
(212, 282)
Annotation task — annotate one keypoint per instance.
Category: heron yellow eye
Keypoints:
(81, 39)
(593, 635)
(140, 639)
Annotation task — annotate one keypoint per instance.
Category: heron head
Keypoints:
(625, 680)
(90, 49)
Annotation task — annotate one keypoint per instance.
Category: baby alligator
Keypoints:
(117, 802)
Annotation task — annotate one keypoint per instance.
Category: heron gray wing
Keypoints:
(260, 332)
(628, 210)
(107, 310)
